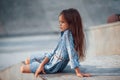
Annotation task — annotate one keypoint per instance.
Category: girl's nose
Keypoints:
(60, 24)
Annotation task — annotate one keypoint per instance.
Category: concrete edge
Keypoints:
(102, 26)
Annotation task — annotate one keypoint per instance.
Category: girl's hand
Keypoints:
(79, 75)
(83, 75)
(40, 69)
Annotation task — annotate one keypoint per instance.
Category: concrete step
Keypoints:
(103, 39)
(99, 71)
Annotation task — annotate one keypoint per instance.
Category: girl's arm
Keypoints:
(73, 56)
(78, 73)
(41, 66)
(45, 61)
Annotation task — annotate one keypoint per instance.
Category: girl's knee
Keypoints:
(27, 61)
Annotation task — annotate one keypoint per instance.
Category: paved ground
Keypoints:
(101, 68)
(31, 25)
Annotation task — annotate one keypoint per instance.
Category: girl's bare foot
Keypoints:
(86, 75)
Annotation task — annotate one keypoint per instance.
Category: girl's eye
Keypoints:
(62, 22)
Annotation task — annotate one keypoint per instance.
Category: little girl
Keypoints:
(70, 48)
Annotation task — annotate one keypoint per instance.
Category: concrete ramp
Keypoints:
(13, 73)
(103, 39)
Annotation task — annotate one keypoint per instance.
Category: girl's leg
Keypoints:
(32, 58)
(25, 69)
(36, 57)
(32, 63)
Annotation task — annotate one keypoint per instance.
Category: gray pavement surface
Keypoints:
(100, 67)
(29, 26)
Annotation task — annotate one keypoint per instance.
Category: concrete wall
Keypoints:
(103, 39)
(28, 17)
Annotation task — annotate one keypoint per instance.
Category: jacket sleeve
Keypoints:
(73, 56)
(49, 55)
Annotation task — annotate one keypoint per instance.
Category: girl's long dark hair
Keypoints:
(73, 19)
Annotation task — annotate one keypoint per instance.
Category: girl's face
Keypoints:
(62, 23)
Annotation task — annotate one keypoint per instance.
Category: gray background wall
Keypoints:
(28, 17)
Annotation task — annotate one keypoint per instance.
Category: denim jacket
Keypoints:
(63, 53)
